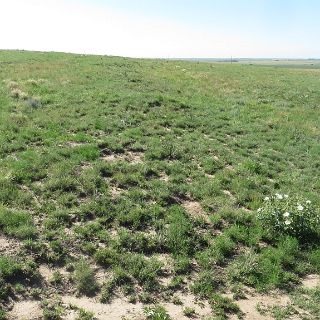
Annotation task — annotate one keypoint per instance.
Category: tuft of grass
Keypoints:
(17, 223)
(85, 315)
(223, 306)
(85, 278)
(189, 312)
(156, 313)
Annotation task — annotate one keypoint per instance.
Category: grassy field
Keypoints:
(131, 189)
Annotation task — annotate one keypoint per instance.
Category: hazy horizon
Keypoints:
(177, 29)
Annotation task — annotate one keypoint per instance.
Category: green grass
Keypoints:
(18, 224)
(100, 155)
(85, 278)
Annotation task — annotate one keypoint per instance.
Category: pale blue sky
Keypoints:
(166, 28)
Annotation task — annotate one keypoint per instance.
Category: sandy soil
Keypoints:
(26, 310)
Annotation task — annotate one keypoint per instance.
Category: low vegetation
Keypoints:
(148, 180)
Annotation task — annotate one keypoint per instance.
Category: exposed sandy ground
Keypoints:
(132, 157)
(202, 309)
(26, 310)
(8, 246)
(115, 191)
(195, 210)
(164, 177)
(120, 308)
(311, 281)
(249, 305)
(116, 310)
(47, 272)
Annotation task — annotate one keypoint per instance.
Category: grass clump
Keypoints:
(272, 268)
(156, 313)
(189, 312)
(17, 223)
(223, 306)
(85, 315)
(85, 278)
(52, 310)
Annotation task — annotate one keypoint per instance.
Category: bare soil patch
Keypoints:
(47, 272)
(116, 310)
(129, 156)
(229, 194)
(195, 210)
(115, 191)
(164, 177)
(26, 310)
(8, 246)
(202, 309)
(311, 281)
(249, 305)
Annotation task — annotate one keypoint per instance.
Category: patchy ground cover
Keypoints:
(131, 189)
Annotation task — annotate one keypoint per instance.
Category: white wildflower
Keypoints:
(266, 199)
(286, 214)
(300, 207)
(308, 202)
(286, 196)
(287, 222)
(279, 196)
(259, 210)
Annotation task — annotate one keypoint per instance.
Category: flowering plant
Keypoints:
(282, 214)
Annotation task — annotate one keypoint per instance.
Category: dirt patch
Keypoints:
(47, 272)
(118, 309)
(164, 177)
(73, 144)
(115, 192)
(8, 246)
(249, 305)
(132, 157)
(26, 310)
(135, 157)
(101, 275)
(311, 281)
(202, 309)
(229, 194)
(195, 210)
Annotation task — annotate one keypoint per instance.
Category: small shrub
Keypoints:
(85, 278)
(282, 214)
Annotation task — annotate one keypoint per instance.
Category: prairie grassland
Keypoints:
(130, 188)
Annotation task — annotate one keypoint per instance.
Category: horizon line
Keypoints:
(233, 58)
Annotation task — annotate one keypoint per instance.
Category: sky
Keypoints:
(164, 28)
